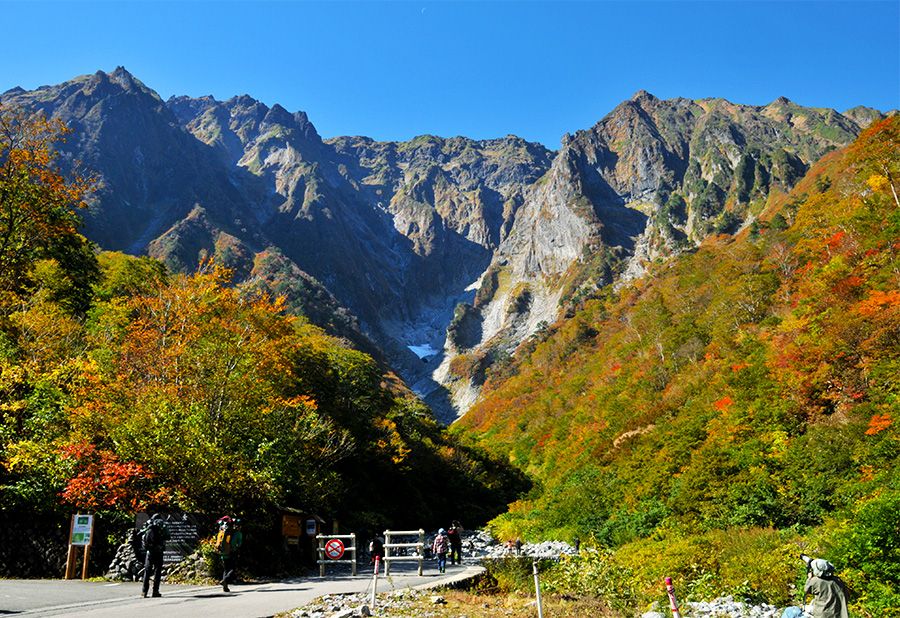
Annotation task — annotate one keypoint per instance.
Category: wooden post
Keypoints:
(387, 552)
(353, 543)
(70, 563)
(70, 557)
(84, 568)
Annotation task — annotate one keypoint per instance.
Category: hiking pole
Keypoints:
(537, 589)
(670, 590)
(375, 583)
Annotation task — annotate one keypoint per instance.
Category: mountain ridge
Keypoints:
(404, 233)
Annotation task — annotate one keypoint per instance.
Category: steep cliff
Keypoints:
(650, 180)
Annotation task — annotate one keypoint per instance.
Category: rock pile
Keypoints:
(547, 549)
(126, 565)
(479, 544)
(194, 567)
(723, 607)
(347, 605)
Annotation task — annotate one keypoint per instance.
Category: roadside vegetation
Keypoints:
(737, 406)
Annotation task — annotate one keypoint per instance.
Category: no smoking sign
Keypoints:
(334, 549)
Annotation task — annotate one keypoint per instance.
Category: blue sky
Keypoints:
(399, 69)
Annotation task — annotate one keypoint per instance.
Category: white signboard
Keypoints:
(310, 527)
(82, 529)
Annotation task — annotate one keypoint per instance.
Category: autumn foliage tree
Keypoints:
(38, 206)
(200, 385)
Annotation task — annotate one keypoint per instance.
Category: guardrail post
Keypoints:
(387, 552)
(421, 550)
(353, 542)
(375, 582)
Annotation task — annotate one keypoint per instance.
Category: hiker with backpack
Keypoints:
(454, 534)
(228, 541)
(154, 535)
(376, 550)
(439, 548)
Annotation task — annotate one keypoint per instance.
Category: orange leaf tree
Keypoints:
(200, 385)
(37, 207)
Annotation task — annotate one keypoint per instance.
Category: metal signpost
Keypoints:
(419, 547)
(537, 589)
(332, 550)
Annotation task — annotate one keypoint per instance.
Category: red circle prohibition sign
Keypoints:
(334, 549)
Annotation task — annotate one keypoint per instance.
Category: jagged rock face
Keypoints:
(650, 179)
(150, 173)
(162, 191)
(401, 232)
(452, 199)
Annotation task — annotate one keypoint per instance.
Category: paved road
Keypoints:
(107, 600)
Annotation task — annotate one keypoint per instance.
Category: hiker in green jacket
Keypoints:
(228, 542)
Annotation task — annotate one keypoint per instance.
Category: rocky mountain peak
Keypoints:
(278, 115)
(186, 108)
(642, 95)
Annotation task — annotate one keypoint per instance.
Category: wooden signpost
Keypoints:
(81, 534)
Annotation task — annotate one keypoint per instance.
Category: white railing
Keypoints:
(389, 544)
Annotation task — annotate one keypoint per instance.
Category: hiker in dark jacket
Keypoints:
(376, 550)
(829, 593)
(154, 535)
(455, 537)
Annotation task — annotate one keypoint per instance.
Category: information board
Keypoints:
(82, 530)
(290, 525)
(184, 535)
(183, 538)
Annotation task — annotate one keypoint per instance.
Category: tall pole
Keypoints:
(421, 550)
(537, 589)
(387, 552)
(673, 602)
(374, 583)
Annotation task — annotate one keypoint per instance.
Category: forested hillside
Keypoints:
(735, 406)
(124, 387)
